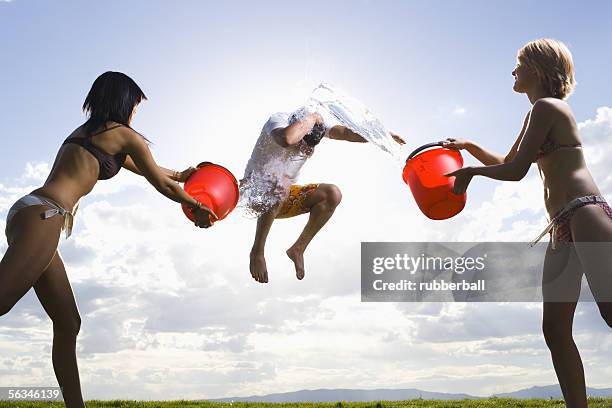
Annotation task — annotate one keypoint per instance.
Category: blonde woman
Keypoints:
(579, 214)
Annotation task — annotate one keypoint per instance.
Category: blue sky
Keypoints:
(407, 60)
(214, 72)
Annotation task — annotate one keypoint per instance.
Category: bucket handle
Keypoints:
(204, 163)
(426, 146)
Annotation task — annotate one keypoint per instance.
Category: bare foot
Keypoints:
(297, 256)
(259, 270)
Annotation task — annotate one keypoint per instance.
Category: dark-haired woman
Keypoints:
(95, 151)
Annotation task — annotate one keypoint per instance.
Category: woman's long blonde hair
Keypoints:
(552, 61)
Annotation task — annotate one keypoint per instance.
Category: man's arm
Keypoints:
(343, 133)
(340, 132)
(295, 132)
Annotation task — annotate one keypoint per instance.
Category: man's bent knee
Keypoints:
(333, 195)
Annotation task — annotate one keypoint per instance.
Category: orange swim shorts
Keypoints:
(294, 204)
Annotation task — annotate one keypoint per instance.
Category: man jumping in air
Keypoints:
(269, 184)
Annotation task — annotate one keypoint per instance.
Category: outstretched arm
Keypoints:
(340, 132)
(180, 176)
(539, 124)
(483, 155)
(137, 149)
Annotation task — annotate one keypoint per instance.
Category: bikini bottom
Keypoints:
(56, 209)
(559, 225)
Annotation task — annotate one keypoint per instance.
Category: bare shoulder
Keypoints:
(128, 135)
(553, 107)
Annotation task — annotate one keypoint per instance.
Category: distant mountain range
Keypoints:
(350, 395)
(552, 391)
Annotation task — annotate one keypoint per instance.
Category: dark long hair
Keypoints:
(112, 97)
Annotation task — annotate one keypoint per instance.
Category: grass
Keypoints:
(480, 403)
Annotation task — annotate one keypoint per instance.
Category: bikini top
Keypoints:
(550, 146)
(109, 164)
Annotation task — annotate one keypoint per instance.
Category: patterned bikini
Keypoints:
(559, 225)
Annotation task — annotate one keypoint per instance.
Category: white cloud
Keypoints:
(170, 311)
(459, 110)
(597, 138)
(36, 172)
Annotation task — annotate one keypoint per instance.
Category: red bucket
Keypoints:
(214, 186)
(432, 190)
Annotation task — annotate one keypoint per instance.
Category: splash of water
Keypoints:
(263, 189)
(338, 108)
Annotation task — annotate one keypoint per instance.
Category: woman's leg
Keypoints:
(592, 235)
(55, 294)
(32, 245)
(561, 288)
(321, 204)
(557, 323)
(28, 258)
